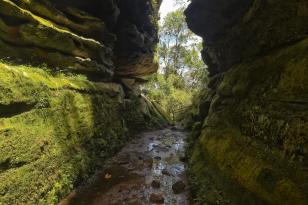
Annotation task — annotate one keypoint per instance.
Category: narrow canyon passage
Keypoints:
(79, 79)
(148, 170)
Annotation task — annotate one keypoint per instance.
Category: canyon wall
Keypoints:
(251, 144)
(69, 98)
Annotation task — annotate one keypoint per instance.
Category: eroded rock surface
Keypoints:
(69, 95)
(96, 38)
(252, 142)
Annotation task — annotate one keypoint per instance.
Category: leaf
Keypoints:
(108, 176)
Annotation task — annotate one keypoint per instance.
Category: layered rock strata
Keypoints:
(97, 37)
(251, 146)
(64, 108)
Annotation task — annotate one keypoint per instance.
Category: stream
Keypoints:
(148, 170)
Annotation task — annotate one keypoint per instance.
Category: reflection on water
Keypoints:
(151, 146)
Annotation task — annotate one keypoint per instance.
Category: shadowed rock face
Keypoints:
(238, 30)
(136, 38)
(97, 38)
(133, 25)
(45, 34)
(252, 142)
(217, 15)
(107, 10)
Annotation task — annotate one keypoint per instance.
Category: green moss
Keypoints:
(55, 129)
(20, 12)
(46, 149)
(253, 142)
(33, 39)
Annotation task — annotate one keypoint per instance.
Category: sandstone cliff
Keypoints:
(68, 77)
(252, 141)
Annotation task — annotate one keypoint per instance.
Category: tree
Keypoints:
(182, 72)
(174, 35)
(197, 72)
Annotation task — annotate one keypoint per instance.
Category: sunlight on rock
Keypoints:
(171, 102)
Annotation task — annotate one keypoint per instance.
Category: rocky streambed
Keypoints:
(148, 170)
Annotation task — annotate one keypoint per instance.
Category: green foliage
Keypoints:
(169, 92)
(197, 72)
(182, 73)
(174, 36)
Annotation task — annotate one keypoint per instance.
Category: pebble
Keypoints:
(165, 172)
(183, 158)
(155, 184)
(157, 198)
(178, 187)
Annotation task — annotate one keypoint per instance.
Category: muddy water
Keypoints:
(129, 175)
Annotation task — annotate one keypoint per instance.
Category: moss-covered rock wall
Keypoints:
(54, 131)
(64, 108)
(251, 146)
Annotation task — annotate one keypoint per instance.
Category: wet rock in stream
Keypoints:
(157, 157)
(178, 187)
(155, 184)
(183, 158)
(157, 198)
(166, 172)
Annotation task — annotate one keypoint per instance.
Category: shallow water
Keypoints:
(128, 177)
